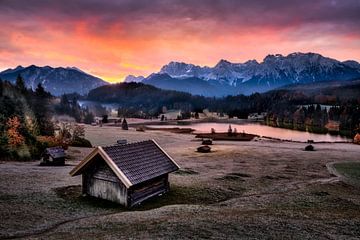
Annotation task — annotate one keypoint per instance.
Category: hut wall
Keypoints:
(100, 181)
(148, 189)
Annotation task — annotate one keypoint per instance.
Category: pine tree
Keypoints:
(40, 91)
(20, 84)
(89, 117)
(42, 111)
(124, 125)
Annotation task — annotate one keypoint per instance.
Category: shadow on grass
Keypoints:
(350, 170)
(176, 195)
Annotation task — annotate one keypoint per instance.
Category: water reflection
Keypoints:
(264, 130)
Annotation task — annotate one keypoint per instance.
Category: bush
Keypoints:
(37, 149)
(80, 142)
(51, 141)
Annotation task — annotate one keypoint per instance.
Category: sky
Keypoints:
(114, 38)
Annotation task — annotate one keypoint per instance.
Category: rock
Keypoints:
(207, 142)
(204, 149)
(309, 148)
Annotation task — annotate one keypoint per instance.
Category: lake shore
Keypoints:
(257, 127)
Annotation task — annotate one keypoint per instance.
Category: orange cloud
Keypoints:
(118, 38)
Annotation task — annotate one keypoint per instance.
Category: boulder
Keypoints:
(207, 142)
(309, 148)
(204, 149)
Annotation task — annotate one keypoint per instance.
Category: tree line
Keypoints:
(26, 119)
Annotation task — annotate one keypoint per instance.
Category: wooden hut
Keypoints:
(54, 156)
(127, 174)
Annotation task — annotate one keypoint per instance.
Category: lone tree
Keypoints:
(105, 119)
(124, 125)
(230, 131)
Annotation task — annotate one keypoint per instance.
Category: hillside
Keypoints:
(144, 97)
(193, 85)
(340, 90)
(57, 81)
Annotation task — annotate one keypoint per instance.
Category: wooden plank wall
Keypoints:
(141, 192)
(100, 181)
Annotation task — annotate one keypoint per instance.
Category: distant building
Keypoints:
(257, 116)
(53, 156)
(126, 173)
(207, 114)
(171, 114)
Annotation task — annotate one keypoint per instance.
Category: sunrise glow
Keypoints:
(111, 39)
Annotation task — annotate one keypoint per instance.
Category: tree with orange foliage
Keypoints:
(15, 138)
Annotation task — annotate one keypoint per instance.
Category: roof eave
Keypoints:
(166, 154)
(77, 170)
(99, 150)
(115, 168)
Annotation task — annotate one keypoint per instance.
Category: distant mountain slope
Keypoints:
(235, 78)
(342, 90)
(193, 85)
(138, 95)
(57, 81)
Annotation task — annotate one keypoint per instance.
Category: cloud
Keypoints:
(116, 37)
(229, 14)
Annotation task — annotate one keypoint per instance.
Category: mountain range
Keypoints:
(57, 81)
(227, 78)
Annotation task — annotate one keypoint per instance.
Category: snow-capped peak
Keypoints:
(275, 69)
(132, 78)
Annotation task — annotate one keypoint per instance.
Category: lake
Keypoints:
(262, 130)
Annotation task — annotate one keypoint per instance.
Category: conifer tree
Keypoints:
(42, 111)
(124, 125)
(20, 84)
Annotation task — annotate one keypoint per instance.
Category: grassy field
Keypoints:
(349, 169)
(241, 190)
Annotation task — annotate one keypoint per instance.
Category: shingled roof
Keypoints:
(55, 152)
(133, 163)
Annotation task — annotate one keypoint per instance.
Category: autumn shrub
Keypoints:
(15, 139)
(51, 141)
